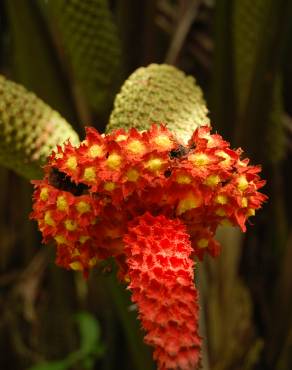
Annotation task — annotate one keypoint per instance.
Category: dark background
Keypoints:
(240, 52)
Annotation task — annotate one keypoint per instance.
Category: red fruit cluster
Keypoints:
(161, 277)
(91, 194)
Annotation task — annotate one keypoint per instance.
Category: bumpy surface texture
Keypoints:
(143, 198)
(90, 39)
(161, 278)
(90, 193)
(156, 94)
(29, 129)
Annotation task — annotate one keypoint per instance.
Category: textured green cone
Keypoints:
(90, 39)
(161, 94)
(250, 24)
(29, 129)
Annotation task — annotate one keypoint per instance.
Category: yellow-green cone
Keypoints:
(90, 40)
(160, 94)
(29, 129)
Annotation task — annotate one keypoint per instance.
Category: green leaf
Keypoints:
(89, 333)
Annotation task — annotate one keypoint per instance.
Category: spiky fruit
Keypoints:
(93, 199)
(29, 130)
(158, 252)
(160, 93)
(90, 39)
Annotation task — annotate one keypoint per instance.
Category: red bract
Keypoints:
(161, 277)
(92, 196)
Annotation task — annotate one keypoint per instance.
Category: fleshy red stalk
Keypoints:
(161, 279)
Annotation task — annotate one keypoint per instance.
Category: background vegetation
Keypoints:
(75, 58)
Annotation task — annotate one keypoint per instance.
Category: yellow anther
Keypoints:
(220, 212)
(70, 225)
(190, 202)
(136, 147)
(163, 141)
(199, 159)
(109, 186)
(76, 266)
(44, 194)
(89, 174)
(154, 164)
(132, 175)
(250, 212)
(242, 183)
(60, 239)
(62, 204)
(226, 157)
(95, 151)
(59, 155)
(121, 138)
(244, 202)
(71, 163)
(183, 179)
(212, 180)
(48, 219)
(92, 262)
(83, 239)
(221, 199)
(203, 243)
(114, 161)
(83, 207)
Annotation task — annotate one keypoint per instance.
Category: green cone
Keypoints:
(161, 94)
(29, 130)
(90, 40)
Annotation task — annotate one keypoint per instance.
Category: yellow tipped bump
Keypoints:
(244, 202)
(203, 243)
(92, 262)
(83, 207)
(136, 147)
(250, 212)
(154, 164)
(183, 179)
(221, 199)
(83, 239)
(62, 204)
(71, 163)
(44, 194)
(212, 180)
(226, 157)
(95, 151)
(109, 186)
(121, 138)
(163, 141)
(76, 266)
(70, 225)
(220, 212)
(60, 239)
(89, 174)
(242, 183)
(190, 202)
(48, 219)
(199, 159)
(132, 175)
(114, 161)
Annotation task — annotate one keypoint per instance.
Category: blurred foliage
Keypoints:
(90, 346)
(74, 55)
